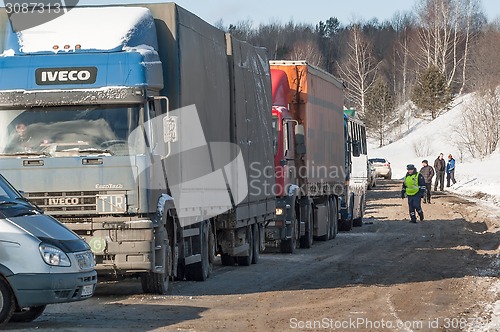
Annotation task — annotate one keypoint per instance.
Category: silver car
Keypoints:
(382, 167)
(41, 261)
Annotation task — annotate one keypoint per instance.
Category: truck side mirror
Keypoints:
(356, 148)
(300, 140)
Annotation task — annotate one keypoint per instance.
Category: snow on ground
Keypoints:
(426, 139)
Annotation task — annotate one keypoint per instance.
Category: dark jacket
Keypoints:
(428, 173)
(439, 165)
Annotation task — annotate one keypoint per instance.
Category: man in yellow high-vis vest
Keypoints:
(414, 188)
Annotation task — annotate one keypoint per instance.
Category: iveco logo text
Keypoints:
(73, 75)
(65, 75)
(64, 201)
(109, 186)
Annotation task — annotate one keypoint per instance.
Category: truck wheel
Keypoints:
(226, 260)
(306, 241)
(247, 260)
(256, 243)
(27, 314)
(288, 246)
(334, 221)
(358, 222)
(328, 235)
(200, 271)
(7, 304)
(158, 283)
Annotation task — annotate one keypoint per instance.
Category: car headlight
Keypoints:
(54, 256)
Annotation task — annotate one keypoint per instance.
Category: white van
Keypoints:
(41, 261)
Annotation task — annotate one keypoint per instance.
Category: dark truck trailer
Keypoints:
(174, 100)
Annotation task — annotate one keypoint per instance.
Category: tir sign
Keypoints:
(72, 75)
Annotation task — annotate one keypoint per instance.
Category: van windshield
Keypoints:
(68, 131)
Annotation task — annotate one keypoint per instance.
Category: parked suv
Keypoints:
(41, 261)
(382, 167)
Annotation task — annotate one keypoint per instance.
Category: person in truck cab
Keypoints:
(21, 140)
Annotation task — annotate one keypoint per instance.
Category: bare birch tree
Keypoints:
(358, 69)
(307, 50)
(446, 30)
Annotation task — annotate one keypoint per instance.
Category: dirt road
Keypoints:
(388, 275)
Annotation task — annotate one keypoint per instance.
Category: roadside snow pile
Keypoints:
(425, 140)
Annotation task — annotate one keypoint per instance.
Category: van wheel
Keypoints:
(27, 314)
(7, 304)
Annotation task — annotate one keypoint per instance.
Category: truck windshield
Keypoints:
(68, 131)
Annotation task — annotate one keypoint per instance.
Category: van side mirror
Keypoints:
(300, 140)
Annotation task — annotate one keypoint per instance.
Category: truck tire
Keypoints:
(346, 224)
(200, 271)
(247, 260)
(226, 259)
(288, 246)
(7, 304)
(306, 241)
(358, 222)
(27, 314)
(327, 236)
(335, 219)
(256, 243)
(158, 283)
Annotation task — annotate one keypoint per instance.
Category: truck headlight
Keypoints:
(279, 211)
(54, 256)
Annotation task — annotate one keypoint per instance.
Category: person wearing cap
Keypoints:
(413, 187)
(428, 173)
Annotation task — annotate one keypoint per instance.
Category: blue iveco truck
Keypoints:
(135, 126)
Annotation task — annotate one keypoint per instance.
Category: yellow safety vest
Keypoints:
(411, 184)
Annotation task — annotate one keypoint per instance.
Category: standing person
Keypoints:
(428, 173)
(450, 171)
(440, 168)
(413, 187)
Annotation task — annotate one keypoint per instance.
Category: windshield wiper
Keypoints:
(94, 150)
(25, 154)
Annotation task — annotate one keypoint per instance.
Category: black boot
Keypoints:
(421, 215)
(413, 219)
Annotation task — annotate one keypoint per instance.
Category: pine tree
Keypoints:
(431, 92)
(379, 109)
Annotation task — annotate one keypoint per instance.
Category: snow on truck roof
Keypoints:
(101, 28)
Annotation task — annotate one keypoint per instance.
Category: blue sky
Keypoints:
(264, 11)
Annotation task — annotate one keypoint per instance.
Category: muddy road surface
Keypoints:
(388, 275)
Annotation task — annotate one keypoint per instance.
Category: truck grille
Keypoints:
(80, 202)
(65, 202)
